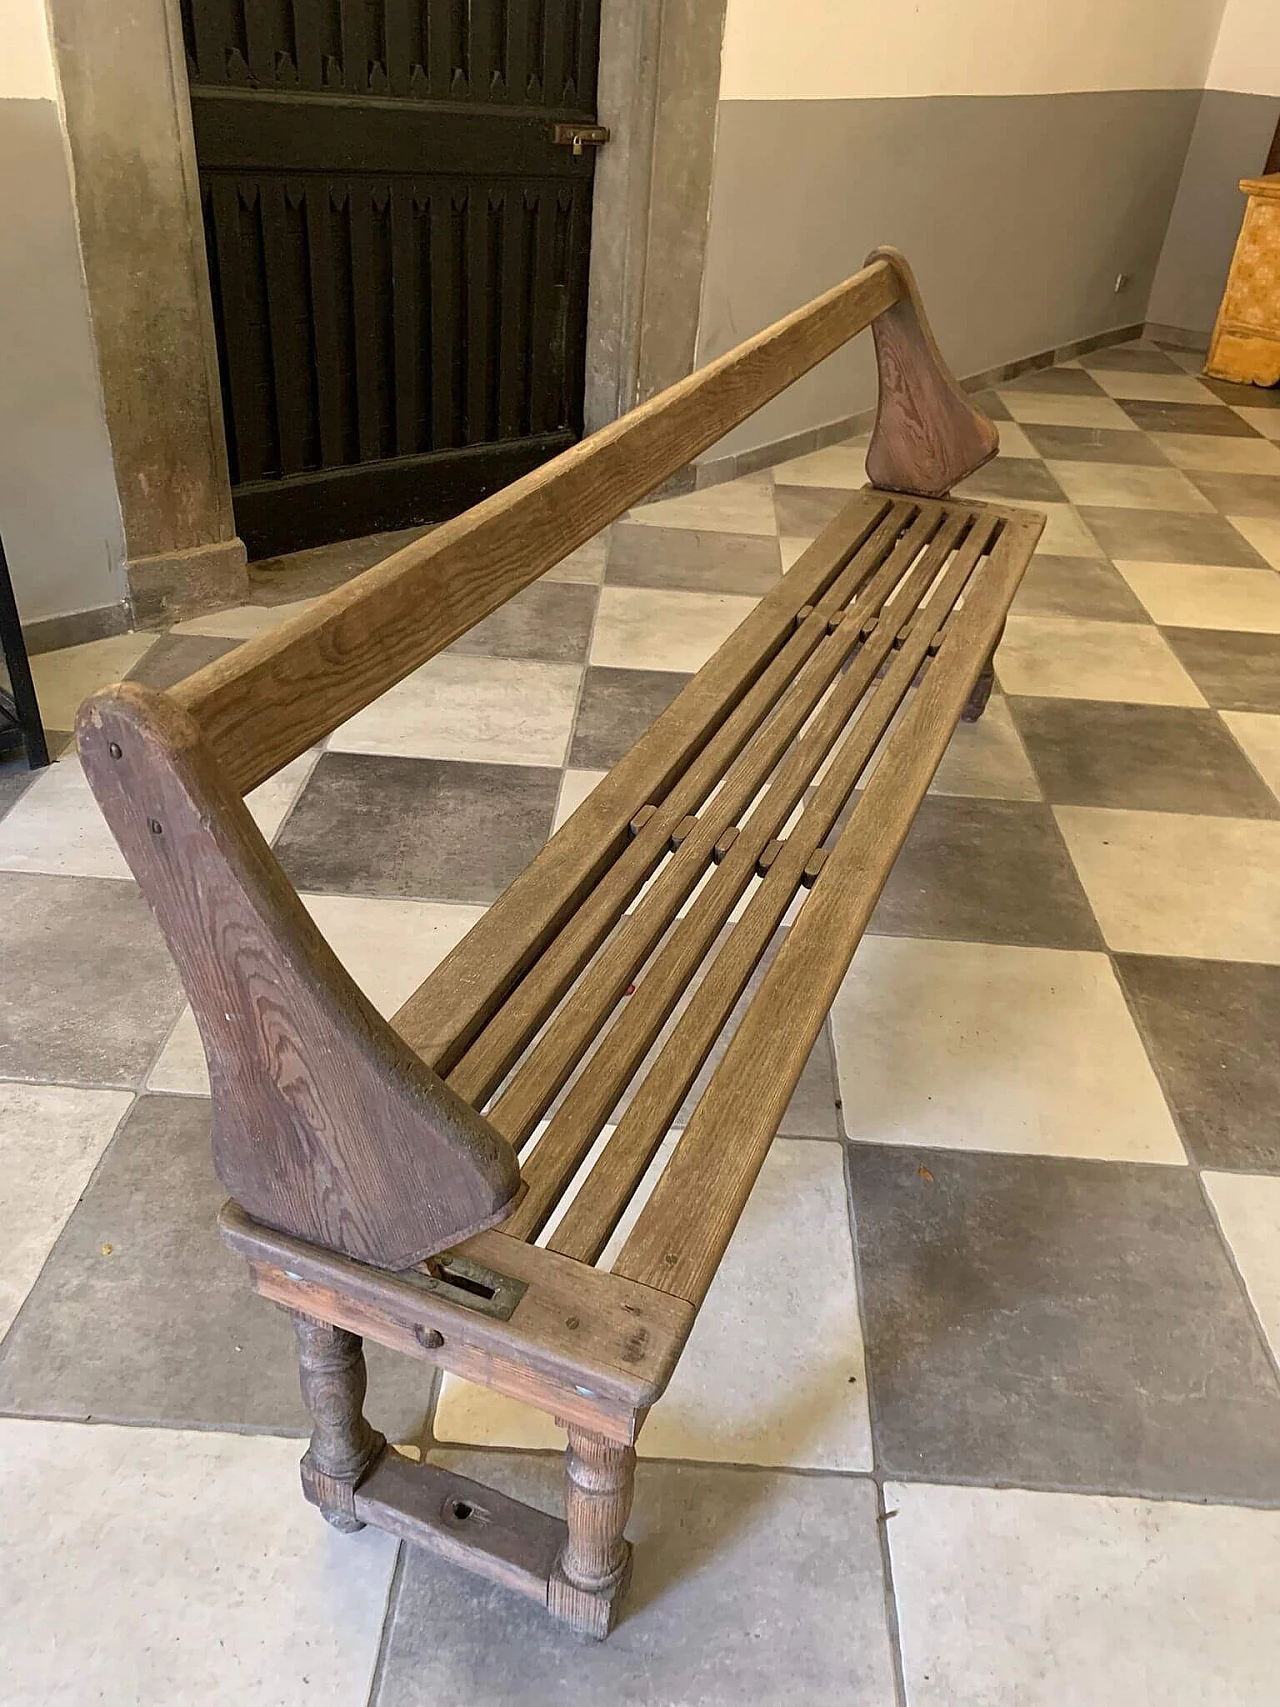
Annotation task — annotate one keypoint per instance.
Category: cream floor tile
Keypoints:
(735, 506)
(1013, 441)
(64, 679)
(1191, 595)
(1053, 409)
(1009, 1598)
(1259, 735)
(1153, 387)
(1074, 658)
(1065, 535)
(1218, 453)
(750, 1388)
(586, 564)
(1133, 488)
(51, 1137)
(387, 946)
(1262, 532)
(643, 628)
(1169, 883)
(1248, 1209)
(57, 827)
(241, 622)
(575, 786)
(978, 1046)
(793, 550)
(835, 466)
(151, 1567)
(1265, 421)
(986, 759)
(488, 710)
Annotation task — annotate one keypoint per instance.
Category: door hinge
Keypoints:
(580, 136)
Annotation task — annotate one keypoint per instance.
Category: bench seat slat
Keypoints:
(682, 1231)
(598, 1206)
(592, 1098)
(446, 1012)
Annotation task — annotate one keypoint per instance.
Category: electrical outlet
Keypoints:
(1123, 281)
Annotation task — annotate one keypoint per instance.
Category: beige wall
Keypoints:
(59, 513)
(1247, 57)
(827, 49)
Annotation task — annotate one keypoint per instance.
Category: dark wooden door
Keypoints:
(397, 250)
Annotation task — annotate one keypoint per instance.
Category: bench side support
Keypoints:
(928, 435)
(343, 1446)
(591, 1575)
(326, 1125)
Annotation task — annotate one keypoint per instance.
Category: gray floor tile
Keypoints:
(89, 991)
(1065, 1323)
(550, 621)
(1095, 444)
(1210, 1028)
(692, 559)
(1244, 396)
(991, 404)
(174, 657)
(428, 828)
(1150, 758)
(616, 708)
(15, 780)
(791, 1563)
(1121, 359)
(1168, 536)
(1078, 586)
(1058, 381)
(1185, 418)
(320, 568)
(803, 511)
(1234, 672)
(1239, 494)
(986, 871)
(1024, 478)
(141, 1316)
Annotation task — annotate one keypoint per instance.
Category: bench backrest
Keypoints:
(325, 1124)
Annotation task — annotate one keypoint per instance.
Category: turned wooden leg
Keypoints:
(591, 1575)
(343, 1446)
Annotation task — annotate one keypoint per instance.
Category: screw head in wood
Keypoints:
(113, 747)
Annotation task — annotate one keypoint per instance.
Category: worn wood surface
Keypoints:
(503, 1539)
(928, 436)
(575, 1327)
(332, 1376)
(271, 698)
(681, 1233)
(594, 1567)
(325, 1124)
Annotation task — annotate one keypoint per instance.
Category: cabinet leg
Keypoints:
(591, 1575)
(343, 1446)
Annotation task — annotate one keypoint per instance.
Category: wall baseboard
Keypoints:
(1180, 337)
(52, 633)
(714, 471)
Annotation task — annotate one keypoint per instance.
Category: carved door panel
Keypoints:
(397, 250)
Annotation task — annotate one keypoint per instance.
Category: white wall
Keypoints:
(832, 49)
(26, 64)
(1247, 57)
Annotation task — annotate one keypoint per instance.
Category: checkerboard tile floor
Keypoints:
(984, 1405)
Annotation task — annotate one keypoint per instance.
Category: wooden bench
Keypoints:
(389, 1180)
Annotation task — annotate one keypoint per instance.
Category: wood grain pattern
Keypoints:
(268, 701)
(593, 1570)
(332, 1376)
(928, 436)
(325, 1123)
(681, 1234)
(1246, 337)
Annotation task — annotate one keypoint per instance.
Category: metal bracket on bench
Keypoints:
(470, 1284)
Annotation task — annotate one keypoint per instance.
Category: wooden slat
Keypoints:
(444, 321)
(681, 1234)
(542, 317)
(479, 308)
(288, 365)
(268, 701)
(406, 296)
(355, 72)
(365, 315)
(488, 1059)
(244, 376)
(445, 1013)
(587, 1106)
(514, 334)
(330, 379)
(598, 1206)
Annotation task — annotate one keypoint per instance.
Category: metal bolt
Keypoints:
(114, 750)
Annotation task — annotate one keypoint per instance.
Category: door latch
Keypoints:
(580, 136)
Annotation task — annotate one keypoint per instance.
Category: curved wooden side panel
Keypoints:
(928, 435)
(325, 1124)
